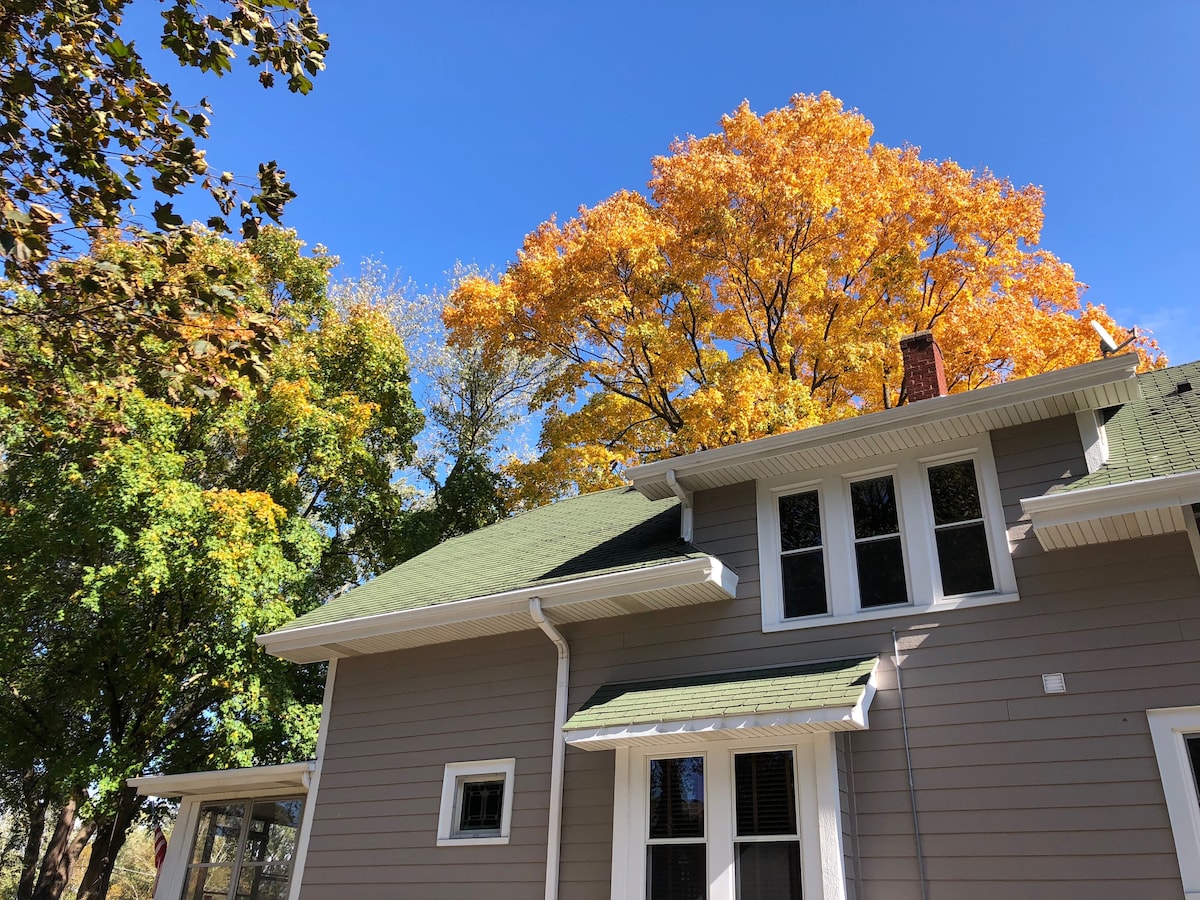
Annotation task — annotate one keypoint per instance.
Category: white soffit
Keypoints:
(685, 583)
(1113, 512)
(230, 782)
(1095, 385)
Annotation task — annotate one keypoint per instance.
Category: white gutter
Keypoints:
(686, 517)
(1085, 377)
(554, 828)
(688, 572)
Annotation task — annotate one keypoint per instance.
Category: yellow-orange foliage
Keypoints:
(765, 286)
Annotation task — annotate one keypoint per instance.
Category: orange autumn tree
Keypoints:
(764, 287)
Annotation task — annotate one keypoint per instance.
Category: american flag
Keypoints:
(160, 853)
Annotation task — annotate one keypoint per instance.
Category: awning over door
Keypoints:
(826, 696)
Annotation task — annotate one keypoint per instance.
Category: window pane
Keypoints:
(804, 584)
(768, 871)
(873, 502)
(963, 558)
(208, 884)
(1193, 748)
(954, 492)
(800, 521)
(765, 793)
(273, 827)
(677, 797)
(676, 872)
(482, 802)
(263, 883)
(217, 834)
(880, 573)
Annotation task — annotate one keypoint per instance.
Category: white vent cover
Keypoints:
(1054, 683)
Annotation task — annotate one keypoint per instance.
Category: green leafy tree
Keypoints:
(150, 529)
(85, 130)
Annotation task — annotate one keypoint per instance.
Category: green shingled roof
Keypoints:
(593, 534)
(1156, 435)
(814, 686)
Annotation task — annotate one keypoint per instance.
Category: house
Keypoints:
(948, 650)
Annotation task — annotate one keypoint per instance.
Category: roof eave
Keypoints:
(1113, 512)
(289, 776)
(1092, 385)
(580, 599)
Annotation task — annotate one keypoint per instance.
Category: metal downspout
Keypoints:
(912, 785)
(554, 835)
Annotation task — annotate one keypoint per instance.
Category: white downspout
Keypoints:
(685, 501)
(554, 835)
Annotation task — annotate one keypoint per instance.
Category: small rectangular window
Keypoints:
(802, 555)
(476, 802)
(480, 802)
(878, 549)
(959, 530)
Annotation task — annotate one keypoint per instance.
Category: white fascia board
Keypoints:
(684, 573)
(1052, 510)
(832, 718)
(1010, 393)
(227, 781)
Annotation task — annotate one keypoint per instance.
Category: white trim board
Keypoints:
(1168, 728)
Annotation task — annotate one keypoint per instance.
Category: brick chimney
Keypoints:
(924, 373)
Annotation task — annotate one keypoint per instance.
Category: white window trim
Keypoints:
(916, 535)
(446, 834)
(1168, 727)
(822, 858)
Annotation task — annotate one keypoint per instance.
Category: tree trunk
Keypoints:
(36, 810)
(111, 832)
(56, 861)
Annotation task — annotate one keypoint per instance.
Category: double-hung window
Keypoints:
(728, 820)
(924, 529)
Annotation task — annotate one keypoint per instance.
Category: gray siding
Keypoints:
(1020, 794)
(396, 720)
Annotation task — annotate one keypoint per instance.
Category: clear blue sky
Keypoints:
(447, 131)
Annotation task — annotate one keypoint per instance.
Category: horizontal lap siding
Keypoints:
(1020, 794)
(396, 720)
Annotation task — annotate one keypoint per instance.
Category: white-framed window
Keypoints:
(476, 802)
(1176, 736)
(922, 530)
(243, 849)
(742, 819)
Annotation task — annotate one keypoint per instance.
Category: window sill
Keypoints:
(470, 841)
(893, 612)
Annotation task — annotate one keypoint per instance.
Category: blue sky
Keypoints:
(447, 131)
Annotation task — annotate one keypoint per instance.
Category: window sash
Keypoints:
(238, 864)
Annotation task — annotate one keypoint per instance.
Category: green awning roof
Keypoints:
(789, 700)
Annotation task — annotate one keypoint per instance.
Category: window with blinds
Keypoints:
(766, 836)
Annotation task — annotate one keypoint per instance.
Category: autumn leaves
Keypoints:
(764, 287)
